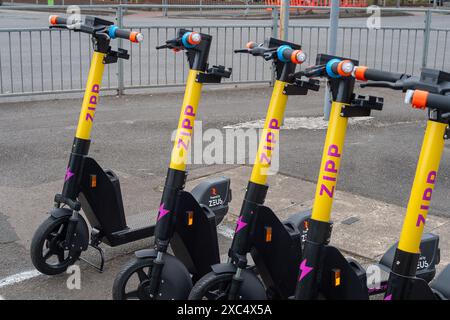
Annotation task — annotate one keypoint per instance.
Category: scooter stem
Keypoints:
(186, 122)
(329, 167)
(81, 142)
(91, 96)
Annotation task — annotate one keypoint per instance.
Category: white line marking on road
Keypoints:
(226, 231)
(19, 277)
(312, 123)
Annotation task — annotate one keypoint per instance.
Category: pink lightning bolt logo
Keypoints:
(304, 270)
(162, 211)
(388, 297)
(69, 174)
(240, 224)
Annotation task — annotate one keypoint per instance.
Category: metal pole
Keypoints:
(284, 19)
(426, 38)
(434, 4)
(275, 18)
(120, 82)
(164, 2)
(274, 22)
(332, 44)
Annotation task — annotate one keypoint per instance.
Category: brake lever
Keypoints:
(58, 26)
(314, 71)
(268, 56)
(381, 84)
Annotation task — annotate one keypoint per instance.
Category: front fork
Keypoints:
(308, 281)
(254, 198)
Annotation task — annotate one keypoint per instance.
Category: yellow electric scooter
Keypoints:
(429, 91)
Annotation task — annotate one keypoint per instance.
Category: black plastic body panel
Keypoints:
(350, 288)
(277, 261)
(102, 204)
(196, 245)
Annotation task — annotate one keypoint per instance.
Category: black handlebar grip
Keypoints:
(364, 74)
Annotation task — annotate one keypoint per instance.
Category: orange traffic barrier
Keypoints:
(318, 3)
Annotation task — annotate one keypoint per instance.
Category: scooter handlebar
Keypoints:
(287, 54)
(112, 31)
(421, 99)
(188, 40)
(363, 73)
(334, 68)
(57, 20)
(284, 53)
(133, 36)
(253, 48)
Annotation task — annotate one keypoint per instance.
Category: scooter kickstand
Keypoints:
(94, 244)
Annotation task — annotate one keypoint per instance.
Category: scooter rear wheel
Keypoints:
(46, 250)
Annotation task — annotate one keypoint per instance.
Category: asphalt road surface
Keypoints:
(132, 136)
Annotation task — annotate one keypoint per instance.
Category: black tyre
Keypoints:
(47, 252)
(132, 282)
(213, 286)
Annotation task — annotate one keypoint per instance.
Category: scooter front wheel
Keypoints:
(216, 286)
(47, 251)
(133, 281)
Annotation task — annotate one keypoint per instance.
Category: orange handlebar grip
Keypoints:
(298, 57)
(359, 73)
(52, 19)
(419, 99)
(250, 45)
(136, 36)
(194, 38)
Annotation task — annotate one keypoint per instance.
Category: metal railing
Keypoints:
(42, 61)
